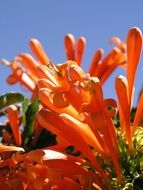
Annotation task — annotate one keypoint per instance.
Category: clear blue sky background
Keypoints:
(50, 20)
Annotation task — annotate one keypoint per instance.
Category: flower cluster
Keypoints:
(68, 136)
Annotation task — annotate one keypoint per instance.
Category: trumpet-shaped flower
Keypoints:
(24, 65)
(71, 105)
(13, 117)
(124, 86)
(100, 67)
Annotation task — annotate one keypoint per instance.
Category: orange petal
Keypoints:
(115, 40)
(89, 119)
(113, 135)
(45, 83)
(95, 96)
(38, 51)
(134, 47)
(101, 141)
(61, 145)
(44, 95)
(38, 170)
(69, 133)
(95, 61)
(109, 114)
(15, 64)
(27, 82)
(121, 85)
(107, 73)
(80, 46)
(110, 106)
(29, 62)
(65, 183)
(20, 76)
(11, 79)
(75, 73)
(4, 148)
(52, 154)
(44, 72)
(75, 96)
(108, 60)
(59, 100)
(104, 125)
(13, 117)
(97, 89)
(84, 130)
(122, 122)
(112, 59)
(62, 67)
(59, 126)
(71, 184)
(108, 139)
(70, 46)
(66, 167)
(88, 107)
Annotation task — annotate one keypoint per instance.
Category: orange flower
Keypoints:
(105, 67)
(74, 50)
(19, 75)
(72, 134)
(44, 169)
(39, 52)
(134, 48)
(84, 96)
(26, 74)
(90, 94)
(13, 116)
(24, 65)
(4, 148)
(73, 107)
(57, 87)
(101, 68)
(124, 86)
(100, 118)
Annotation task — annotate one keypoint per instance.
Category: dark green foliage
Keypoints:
(10, 98)
(29, 113)
(45, 139)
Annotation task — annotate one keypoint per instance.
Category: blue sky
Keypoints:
(50, 20)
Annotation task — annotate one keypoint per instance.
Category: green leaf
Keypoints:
(25, 105)
(10, 98)
(29, 118)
